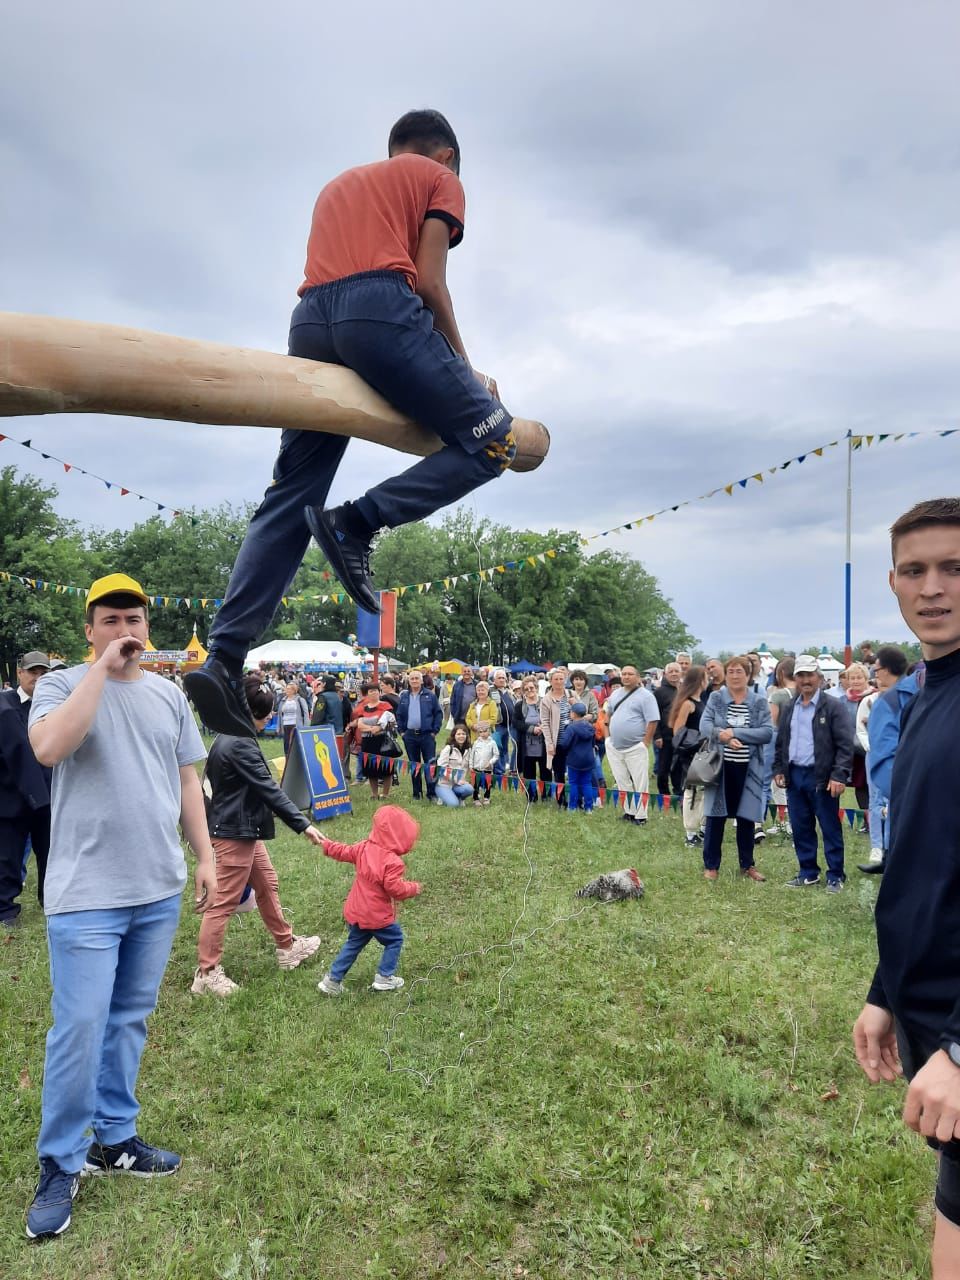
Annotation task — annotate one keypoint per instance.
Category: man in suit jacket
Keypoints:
(24, 791)
(813, 758)
(419, 719)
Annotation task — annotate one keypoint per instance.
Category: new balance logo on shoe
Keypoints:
(125, 1161)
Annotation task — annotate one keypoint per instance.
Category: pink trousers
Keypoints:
(241, 862)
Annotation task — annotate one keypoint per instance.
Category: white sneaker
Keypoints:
(248, 904)
(302, 949)
(381, 983)
(330, 986)
(215, 982)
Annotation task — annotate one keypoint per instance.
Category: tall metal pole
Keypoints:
(848, 572)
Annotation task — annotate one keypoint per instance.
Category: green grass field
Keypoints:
(563, 1089)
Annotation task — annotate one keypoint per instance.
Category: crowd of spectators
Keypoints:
(462, 735)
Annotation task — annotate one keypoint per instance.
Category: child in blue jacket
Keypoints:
(576, 739)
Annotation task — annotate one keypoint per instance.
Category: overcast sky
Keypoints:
(700, 239)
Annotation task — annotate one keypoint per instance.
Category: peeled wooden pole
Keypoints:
(49, 365)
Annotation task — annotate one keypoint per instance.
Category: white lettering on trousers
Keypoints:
(488, 424)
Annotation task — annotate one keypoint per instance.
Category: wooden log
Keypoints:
(50, 365)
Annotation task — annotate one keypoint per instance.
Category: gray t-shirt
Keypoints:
(116, 799)
(629, 725)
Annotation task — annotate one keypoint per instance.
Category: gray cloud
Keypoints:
(697, 243)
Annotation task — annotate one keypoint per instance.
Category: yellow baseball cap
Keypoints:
(116, 584)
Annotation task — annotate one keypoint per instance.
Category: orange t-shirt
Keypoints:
(369, 218)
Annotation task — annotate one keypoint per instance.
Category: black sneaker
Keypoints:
(349, 556)
(133, 1156)
(49, 1214)
(802, 882)
(871, 868)
(217, 693)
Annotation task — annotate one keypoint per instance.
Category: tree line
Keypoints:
(599, 607)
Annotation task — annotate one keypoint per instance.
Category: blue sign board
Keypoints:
(313, 777)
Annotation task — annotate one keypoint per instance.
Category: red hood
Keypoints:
(394, 829)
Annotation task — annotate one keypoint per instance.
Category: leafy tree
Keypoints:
(188, 557)
(35, 543)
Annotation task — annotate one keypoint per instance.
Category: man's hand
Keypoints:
(933, 1099)
(118, 653)
(205, 886)
(314, 836)
(658, 743)
(780, 780)
(835, 788)
(875, 1044)
(488, 382)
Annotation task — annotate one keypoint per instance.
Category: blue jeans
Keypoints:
(452, 794)
(769, 751)
(390, 938)
(878, 833)
(807, 806)
(105, 971)
(421, 747)
(375, 324)
(507, 743)
(580, 788)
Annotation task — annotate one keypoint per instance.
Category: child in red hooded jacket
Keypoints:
(370, 909)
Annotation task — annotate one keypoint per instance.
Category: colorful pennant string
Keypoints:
(121, 490)
(534, 561)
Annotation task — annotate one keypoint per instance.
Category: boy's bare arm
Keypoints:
(431, 264)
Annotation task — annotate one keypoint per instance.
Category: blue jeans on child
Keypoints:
(376, 325)
(451, 795)
(105, 971)
(580, 788)
(390, 938)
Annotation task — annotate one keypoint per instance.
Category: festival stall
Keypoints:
(310, 655)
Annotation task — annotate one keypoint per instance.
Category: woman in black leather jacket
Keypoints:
(240, 819)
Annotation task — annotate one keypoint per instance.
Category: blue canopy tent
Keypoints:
(522, 667)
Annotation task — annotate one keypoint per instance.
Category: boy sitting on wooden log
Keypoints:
(374, 298)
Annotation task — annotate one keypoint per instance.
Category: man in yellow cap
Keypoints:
(122, 744)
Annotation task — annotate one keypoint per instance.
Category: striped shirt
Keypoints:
(738, 717)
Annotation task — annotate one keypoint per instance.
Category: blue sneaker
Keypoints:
(800, 881)
(49, 1214)
(133, 1156)
(834, 886)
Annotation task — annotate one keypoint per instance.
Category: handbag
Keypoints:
(390, 745)
(706, 766)
(686, 741)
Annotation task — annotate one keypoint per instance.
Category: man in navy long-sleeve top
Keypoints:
(912, 1013)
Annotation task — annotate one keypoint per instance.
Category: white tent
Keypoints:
(592, 668)
(297, 653)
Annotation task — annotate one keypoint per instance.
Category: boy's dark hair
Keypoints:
(423, 132)
(925, 515)
(892, 659)
(119, 600)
